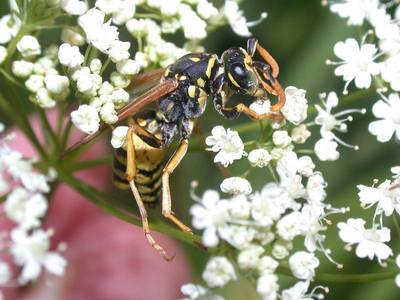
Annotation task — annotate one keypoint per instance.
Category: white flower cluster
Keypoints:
(376, 59)
(25, 204)
(261, 226)
(371, 241)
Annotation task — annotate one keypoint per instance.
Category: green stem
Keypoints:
(396, 224)
(345, 278)
(106, 160)
(49, 130)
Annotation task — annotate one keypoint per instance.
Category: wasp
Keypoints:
(179, 99)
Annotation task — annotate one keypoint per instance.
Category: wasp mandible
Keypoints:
(180, 98)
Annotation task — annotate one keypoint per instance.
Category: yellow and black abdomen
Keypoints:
(149, 167)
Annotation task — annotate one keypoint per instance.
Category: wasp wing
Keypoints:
(142, 82)
(152, 95)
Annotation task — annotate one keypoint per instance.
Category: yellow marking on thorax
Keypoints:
(166, 73)
(192, 91)
(233, 80)
(183, 77)
(201, 82)
(195, 59)
(211, 63)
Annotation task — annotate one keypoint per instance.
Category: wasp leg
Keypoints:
(145, 135)
(281, 95)
(130, 175)
(173, 162)
(265, 70)
(269, 59)
(241, 108)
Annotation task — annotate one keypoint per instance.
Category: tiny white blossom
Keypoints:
(303, 265)
(267, 286)
(198, 292)
(259, 158)
(227, 143)
(206, 9)
(193, 26)
(267, 265)
(218, 272)
(239, 207)
(297, 292)
(31, 252)
(212, 215)
(296, 106)
(325, 149)
(56, 84)
(34, 83)
(128, 67)
(249, 257)
(358, 62)
(22, 68)
(72, 36)
(391, 72)
(119, 51)
(355, 10)
(70, 56)
(3, 54)
(5, 273)
(74, 7)
(29, 46)
(388, 112)
(370, 242)
(86, 119)
(281, 138)
(236, 19)
(260, 106)
(9, 27)
(119, 136)
(236, 186)
(300, 134)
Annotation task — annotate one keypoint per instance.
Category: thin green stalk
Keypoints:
(105, 160)
(396, 224)
(49, 130)
(345, 278)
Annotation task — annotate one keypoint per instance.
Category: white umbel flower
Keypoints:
(355, 10)
(70, 56)
(22, 68)
(303, 265)
(218, 272)
(281, 138)
(211, 214)
(388, 112)
(198, 292)
(227, 143)
(29, 46)
(370, 242)
(86, 118)
(325, 149)
(296, 106)
(391, 72)
(236, 19)
(267, 286)
(31, 252)
(259, 158)
(118, 137)
(236, 186)
(357, 63)
(5, 273)
(249, 258)
(74, 7)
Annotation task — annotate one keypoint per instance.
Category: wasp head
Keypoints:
(241, 74)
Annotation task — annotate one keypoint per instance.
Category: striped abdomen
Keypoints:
(149, 167)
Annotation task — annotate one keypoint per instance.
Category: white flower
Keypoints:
(25, 209)
(35, 182)
(371, 242)
(267, 265)
(249, 257)
(120, 97)
(297, 292)
(119, 51)
(388, 111)
(303, 265)
(74, 7)
(281, 138)
(236, 186)
(227, 143)
(268, 205)
(306, 166)
(5, 273)
(267, 286)
(236, 19)
(56, 84)
(119, 136)
(325, 149)
(300, 134)
(86, 119)
(31, 252)
(70, 56)
(22, 68)
(128, 67)
(386, 197)
(101, 35)
(316, 188)
(296, 106)
(289, 226)
(239, 207)
(238, 236)
(29, 46)
(259, 158)
(218, 272)
(358, 62)
(43, 98)
(212, 215)
(34, 83)
(261, 106)
(193, 26)
(197, 292)
(3, 54)
(355, 10)
(9, 27)
(206, 10)
(72, 36)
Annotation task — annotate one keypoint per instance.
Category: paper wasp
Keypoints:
(180, 97)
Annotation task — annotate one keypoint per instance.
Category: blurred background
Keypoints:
(300, 34)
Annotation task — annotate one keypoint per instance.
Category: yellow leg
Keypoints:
(241, 108)
(166, 192)
(269, 59)
(130, 175)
